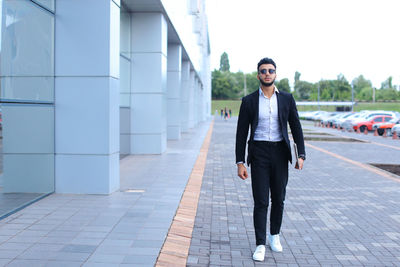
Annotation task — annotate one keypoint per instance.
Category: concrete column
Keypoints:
(174, 69)
(202, 104)
(198, 115)
(149, 83)
(87, 96)
(192, 108)
(205, 103)
(125, 83)
(196, 101)
(185, 85)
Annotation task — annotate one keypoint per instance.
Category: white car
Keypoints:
(318, 116)
(334, 121)
(396, 128)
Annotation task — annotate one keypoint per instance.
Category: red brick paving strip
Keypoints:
(176, 246)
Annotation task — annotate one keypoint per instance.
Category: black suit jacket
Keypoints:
(248, 116)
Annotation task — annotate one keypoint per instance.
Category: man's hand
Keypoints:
(242, 171)
(301, 162)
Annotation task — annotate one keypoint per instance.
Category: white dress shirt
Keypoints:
(268, 122)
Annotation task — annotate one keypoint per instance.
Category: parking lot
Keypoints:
(381, 122)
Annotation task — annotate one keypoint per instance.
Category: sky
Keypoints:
(318, 38)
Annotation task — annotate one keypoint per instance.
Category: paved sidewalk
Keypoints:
(336, 213)
(126, 228)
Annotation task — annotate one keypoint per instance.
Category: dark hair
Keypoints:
(265, 60)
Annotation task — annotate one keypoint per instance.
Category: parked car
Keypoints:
(370, 120)
(307, 115)
(332, 121)
(313, 115)
(396, 129)
(338, 122)
(327, 119)
(348, 122)
(381, 127)
(364, 116)
(321, 115)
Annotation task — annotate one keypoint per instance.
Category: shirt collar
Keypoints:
(261, 93)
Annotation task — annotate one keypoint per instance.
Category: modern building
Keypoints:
(86, 81)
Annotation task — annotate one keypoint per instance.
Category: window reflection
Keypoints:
(26, 102)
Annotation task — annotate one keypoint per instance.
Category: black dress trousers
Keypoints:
(269, 173)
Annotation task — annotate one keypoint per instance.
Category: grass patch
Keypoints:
(235, 105)
(393, 106)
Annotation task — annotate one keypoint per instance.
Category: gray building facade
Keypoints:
(86, 81)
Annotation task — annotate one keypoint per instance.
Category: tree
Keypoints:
(360, 83)
(387, 84)
(302, 89)
(297, 77)
(224, 62)
(252, 82)
(365, 94)
(342, 89)
(325, 89)
(386, 94)
(283, 85)
(226, 85)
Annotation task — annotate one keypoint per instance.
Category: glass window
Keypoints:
(379, 119)
(388, 118)
(26, 97)
(27, 52)
(48, 4)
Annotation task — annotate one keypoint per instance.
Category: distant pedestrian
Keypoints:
(230, 113)
(225, 113)
(222, 113)
(268, 151)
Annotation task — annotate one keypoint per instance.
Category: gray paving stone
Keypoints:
(106, 258)
(9, 254)
(79, 248)
(31, 263)
(139, 259)
(4, 262)
(332, 208)
(55, 263)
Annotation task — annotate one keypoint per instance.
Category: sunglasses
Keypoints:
(264, 71)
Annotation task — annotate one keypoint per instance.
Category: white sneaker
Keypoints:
(275, 243)
(259, 254)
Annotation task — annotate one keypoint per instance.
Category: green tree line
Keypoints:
(231, 85)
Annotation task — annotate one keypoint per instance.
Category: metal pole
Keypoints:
(352, 98)
(373, 94)
(318, 97)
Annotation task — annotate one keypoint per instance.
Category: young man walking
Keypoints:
(267, 112)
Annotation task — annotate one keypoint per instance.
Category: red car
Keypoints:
(362, 125)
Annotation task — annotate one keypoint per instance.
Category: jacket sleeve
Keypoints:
(242, 131)
(295, 127)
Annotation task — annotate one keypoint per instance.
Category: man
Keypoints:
(267, 112)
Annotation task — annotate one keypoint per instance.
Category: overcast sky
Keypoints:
(318, 38)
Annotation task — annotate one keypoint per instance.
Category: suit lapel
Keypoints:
(280, 105)
(257, 107)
